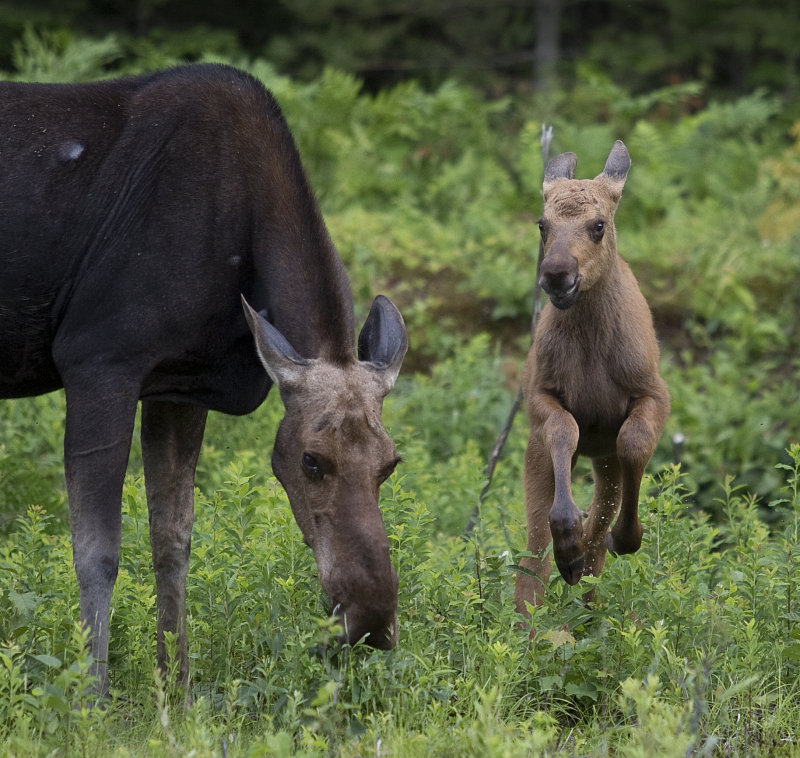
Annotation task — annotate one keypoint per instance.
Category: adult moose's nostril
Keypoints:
(384, 639)
(375, 628)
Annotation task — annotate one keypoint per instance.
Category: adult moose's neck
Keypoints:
(307, 293)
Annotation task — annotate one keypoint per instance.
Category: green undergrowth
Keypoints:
(693, 643)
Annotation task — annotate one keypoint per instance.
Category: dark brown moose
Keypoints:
(591, 382)
(136, 214)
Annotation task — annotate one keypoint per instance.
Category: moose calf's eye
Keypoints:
(596, 230)
(312, 467)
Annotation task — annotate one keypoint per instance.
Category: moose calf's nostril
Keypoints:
(558, 283)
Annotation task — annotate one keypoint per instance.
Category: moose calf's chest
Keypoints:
(588, 387)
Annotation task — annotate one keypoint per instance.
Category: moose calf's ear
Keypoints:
(383, 340)
(283, 364)
(616, 168)
(561, 167)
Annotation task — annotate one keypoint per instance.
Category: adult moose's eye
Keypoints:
(388, 470)
(542, 230)
(312, 467)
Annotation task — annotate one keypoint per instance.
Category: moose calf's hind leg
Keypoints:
(171, 438)
(603, 509)
(636, 442)
(539, 491)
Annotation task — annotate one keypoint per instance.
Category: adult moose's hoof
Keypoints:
(572, 571)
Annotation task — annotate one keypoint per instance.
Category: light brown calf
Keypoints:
(591, 382)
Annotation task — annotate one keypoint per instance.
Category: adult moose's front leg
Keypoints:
(636, 442)
(172, 435)
(97, 440)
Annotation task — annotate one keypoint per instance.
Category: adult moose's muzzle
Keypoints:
(367, 609)
(356, 573)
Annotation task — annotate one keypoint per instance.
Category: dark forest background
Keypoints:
(501, 45)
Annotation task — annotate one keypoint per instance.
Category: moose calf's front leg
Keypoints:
(601, 514)
(636, 442)
(561, 438)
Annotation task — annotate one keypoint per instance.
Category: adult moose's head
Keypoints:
(577, 227)
(331, 454)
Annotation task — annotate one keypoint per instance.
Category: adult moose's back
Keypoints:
(136, 213)
(591, 382)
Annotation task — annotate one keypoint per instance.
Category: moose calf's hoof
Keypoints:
(571, 571)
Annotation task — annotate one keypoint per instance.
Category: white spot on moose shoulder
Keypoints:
(70, 151)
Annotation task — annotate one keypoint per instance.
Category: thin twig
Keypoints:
(497, 450)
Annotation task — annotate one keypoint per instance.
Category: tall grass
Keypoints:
(693, 644)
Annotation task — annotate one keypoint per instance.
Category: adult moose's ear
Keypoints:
(285, 367)
(383, 340)
(616, 168)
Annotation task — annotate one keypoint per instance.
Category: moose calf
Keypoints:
(591, 382)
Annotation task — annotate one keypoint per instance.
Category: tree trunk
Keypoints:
(546, 52)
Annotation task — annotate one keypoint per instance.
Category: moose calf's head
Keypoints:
(331, 455)
(577, 225)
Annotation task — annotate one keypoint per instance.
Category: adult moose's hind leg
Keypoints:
(172, 435)
(97, 438)
(636, 442)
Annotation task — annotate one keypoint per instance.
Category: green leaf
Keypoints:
(48, 660)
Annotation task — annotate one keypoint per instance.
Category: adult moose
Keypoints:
(136, 213)
(591, 382)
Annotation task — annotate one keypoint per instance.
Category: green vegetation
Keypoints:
(431, 195)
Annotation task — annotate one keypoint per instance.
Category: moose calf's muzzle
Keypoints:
(559, 278)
